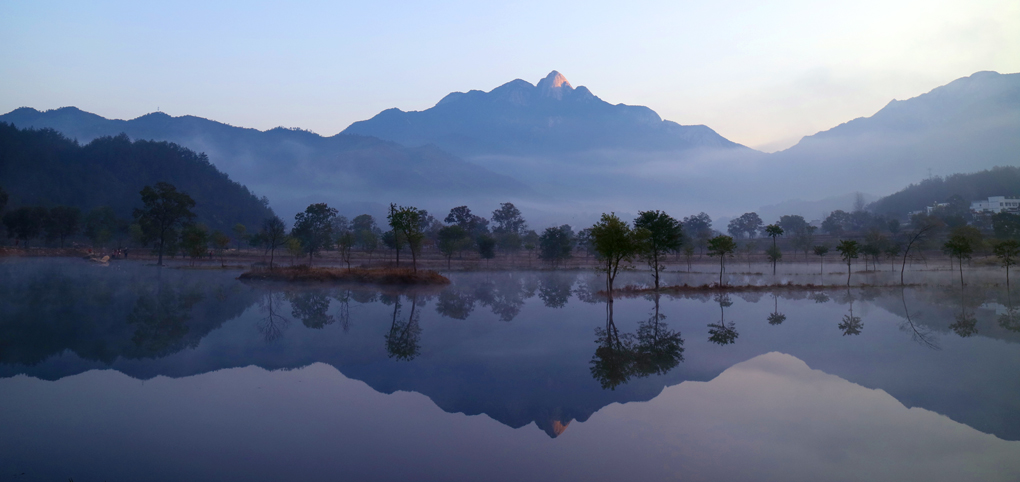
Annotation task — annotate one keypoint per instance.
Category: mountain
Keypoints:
(42, 167)
(552, 117)
(295, 167)
(998, 181)
(969, 124)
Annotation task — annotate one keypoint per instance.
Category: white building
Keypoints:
(996, 204)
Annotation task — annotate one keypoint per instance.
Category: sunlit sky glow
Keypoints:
(760, 74)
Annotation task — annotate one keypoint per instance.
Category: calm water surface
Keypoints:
(129, 372)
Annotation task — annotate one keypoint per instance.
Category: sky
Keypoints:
(763, 74)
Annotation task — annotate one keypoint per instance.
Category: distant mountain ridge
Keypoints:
(294, 167)
(518, 118)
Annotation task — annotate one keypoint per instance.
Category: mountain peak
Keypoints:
(553, 85)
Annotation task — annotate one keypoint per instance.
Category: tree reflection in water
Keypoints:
(456, 304)
(403, 337)
(311, 307)
(618, 357)
(161, 319)
(964, 323)
(272, 325)
(659, 349)
(776, 318)
(851, 325)
(921, 336)
(1010, 320)
(722, 333)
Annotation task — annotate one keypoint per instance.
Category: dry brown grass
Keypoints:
(382, 276)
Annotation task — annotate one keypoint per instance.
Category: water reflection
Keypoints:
(514, 346)
(851, 325)
(723, 333)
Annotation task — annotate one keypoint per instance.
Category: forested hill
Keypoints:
(42, 167)
(998, 181)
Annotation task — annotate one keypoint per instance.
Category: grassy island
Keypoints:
(380, 276)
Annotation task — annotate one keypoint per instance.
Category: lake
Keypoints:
(132, 372)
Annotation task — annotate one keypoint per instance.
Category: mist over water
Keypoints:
(540, 356)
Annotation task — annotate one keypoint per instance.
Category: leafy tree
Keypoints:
(165, 209)
(892, 251)
(407, 221)
(747, 223)
(1006, 225)
(195, 241)
(451, 238)
(274, 235)
(26, 222)
(721, 246)
(220, 242)
(836, 223)
(961, 245)
(239, 230)
(688, 254)
(793, 223)
(471, 223)
(62, 221)
(1007, 252)
(614, 243)
(664, 234)
(699, 227)
(508, 220)
(774, 231)
(314, 228)
(556, 244)
(531, 241)
(821, 251)
(395, 241)
(294, 248)
(486, 246)
(848, 250)
(344, 244)
(101, 223)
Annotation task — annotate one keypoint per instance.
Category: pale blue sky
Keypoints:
(760, 73)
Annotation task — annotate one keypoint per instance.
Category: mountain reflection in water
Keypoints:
(521, 348)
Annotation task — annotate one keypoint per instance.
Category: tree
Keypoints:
(664, 234)
(793, 223)
(220, 242)
(195, 241)
(366, 233)
(699, 227)
(344, 244)
(314, 228)
(747, 223)
(274, 235)
(239, 230)
(556, 244)
(165, 209)
(721, 246)
(836, 222)
(101, 223)
(821, 251)
(960, 245)
(61, 222)
(1006, 225)
(406, 221)
(892, 251)
(462, 217)
(614, 243)
(486, 246)
(508, 220)
(294, 248)
(774, 231)
(922, 228)
(1007, 252)
(848, 250)
(450, 241)
(26, 222)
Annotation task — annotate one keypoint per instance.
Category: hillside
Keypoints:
(44, 167)
(998, 181)
(296, 167)
(518, 118)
